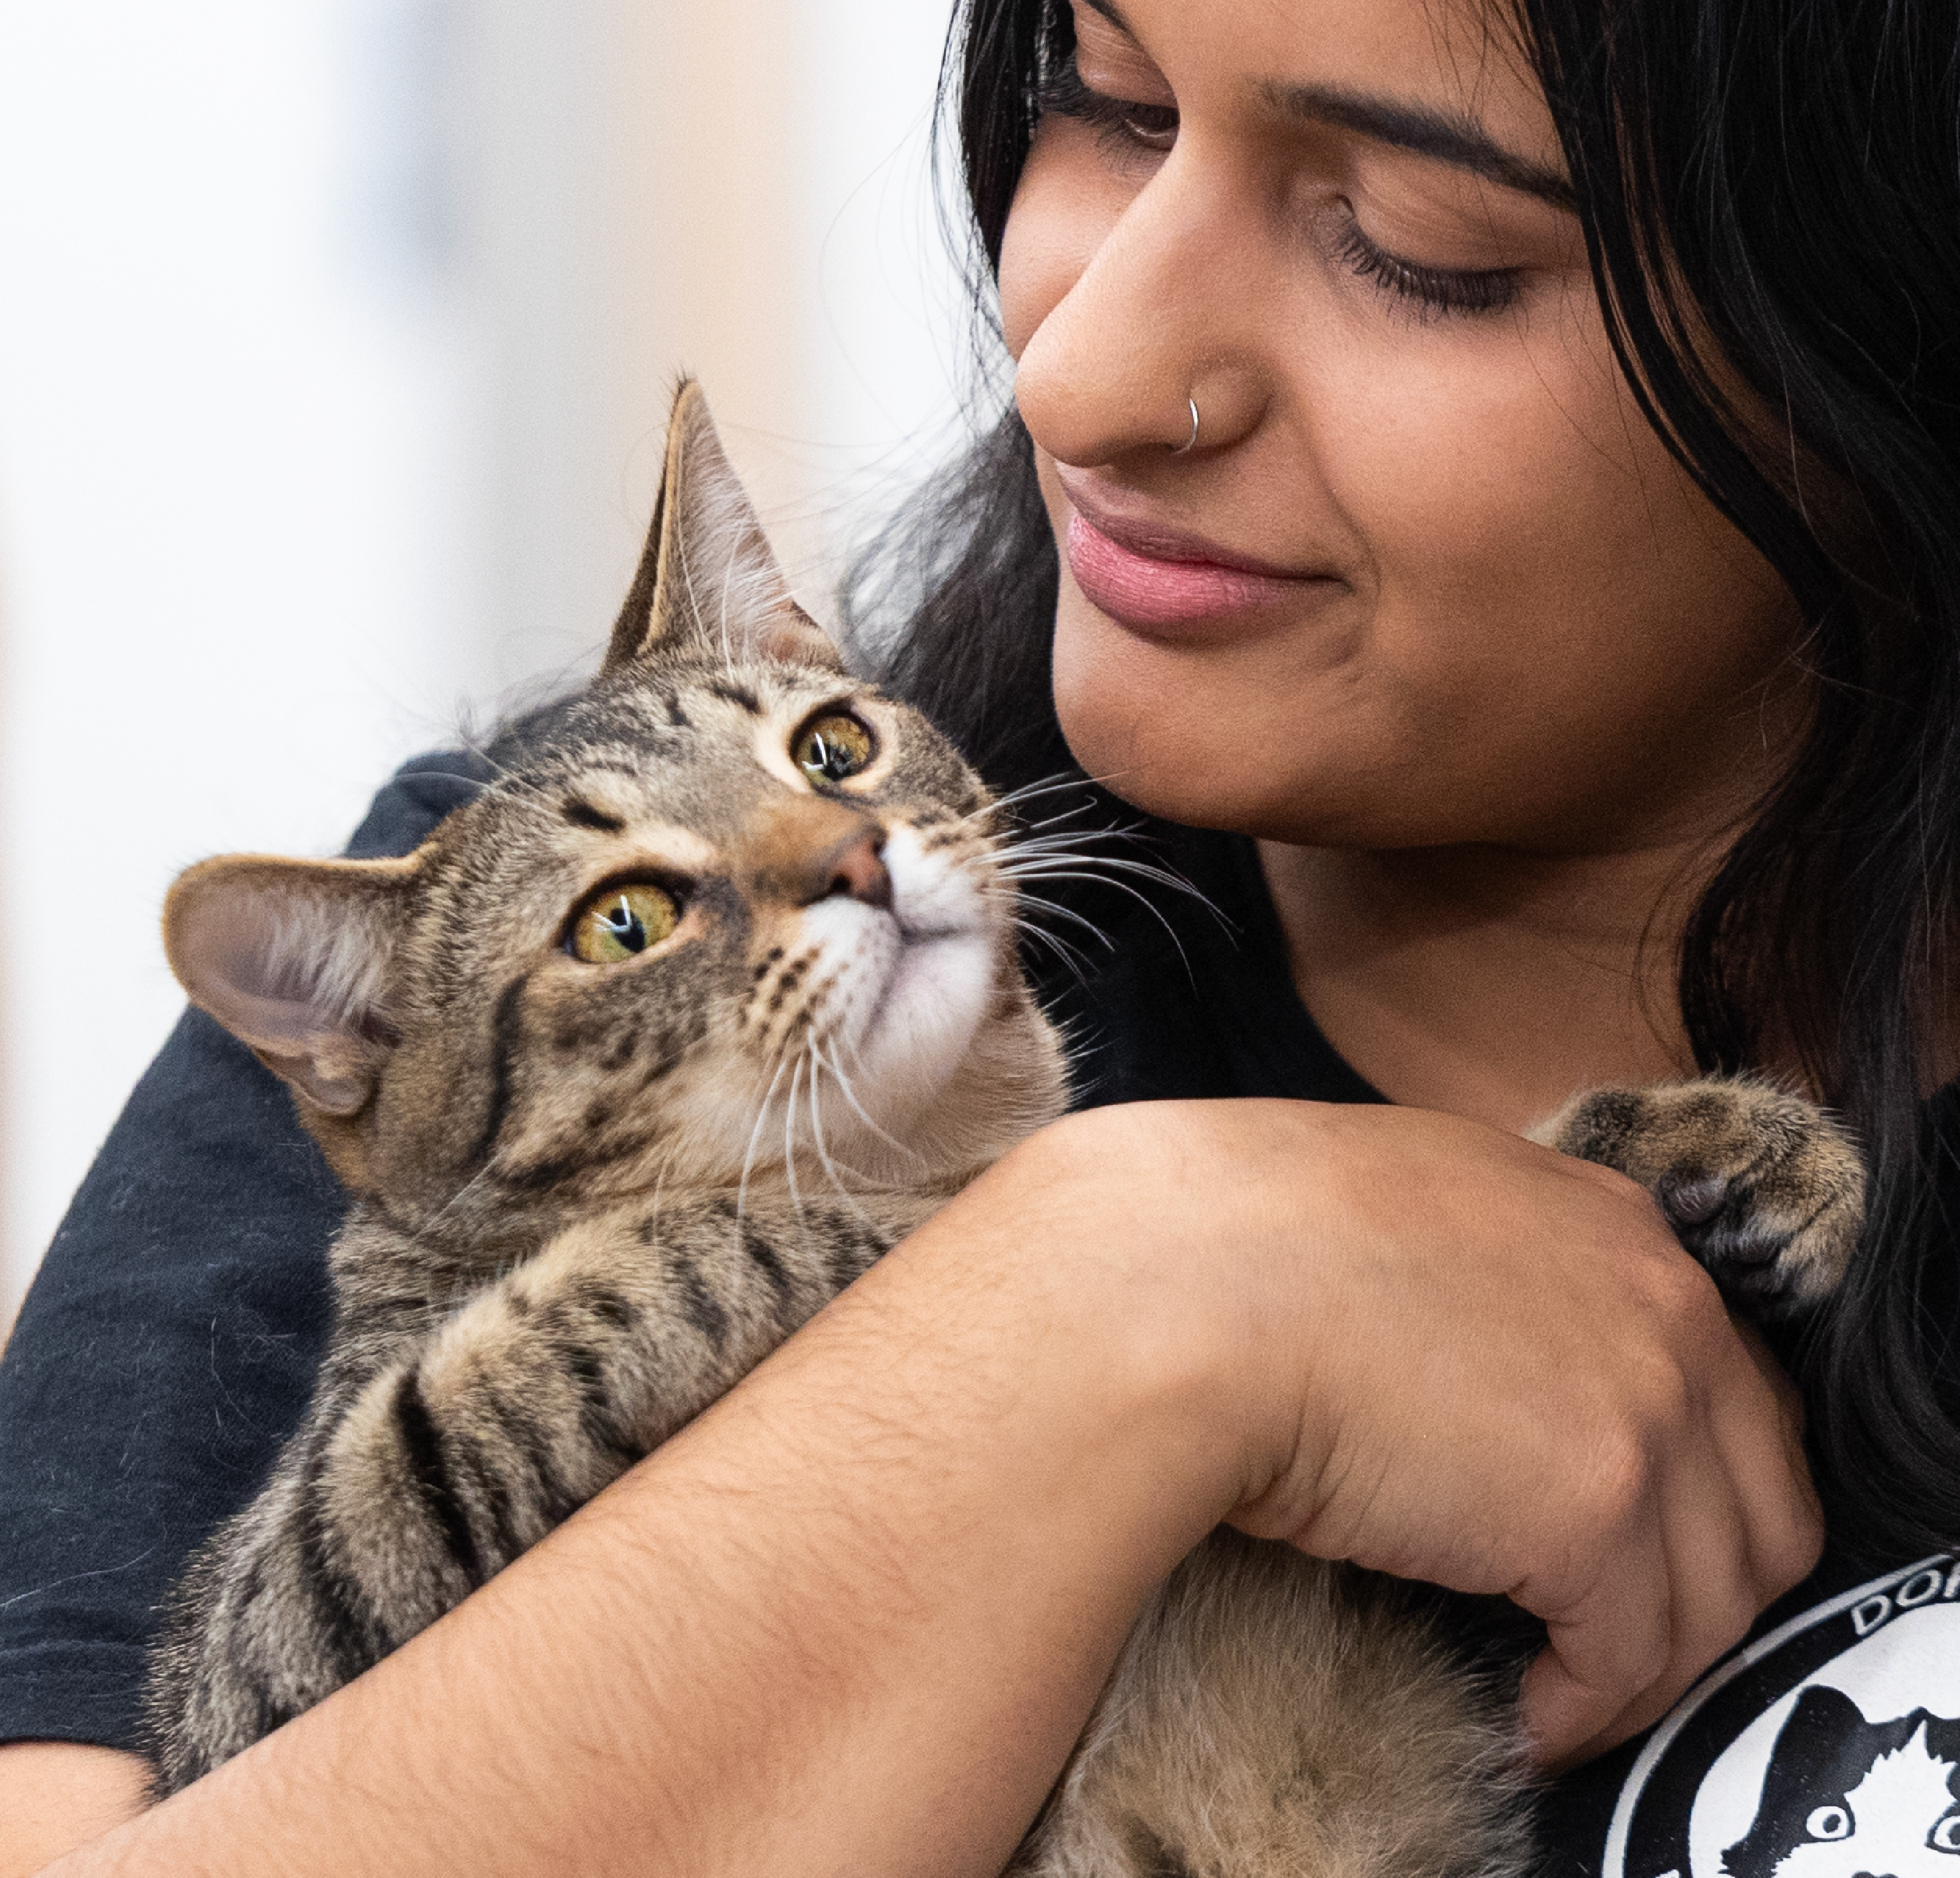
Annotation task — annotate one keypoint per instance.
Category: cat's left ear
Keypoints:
(291, 958)
(707, 577)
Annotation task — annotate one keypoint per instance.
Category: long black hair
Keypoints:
(1770, 191)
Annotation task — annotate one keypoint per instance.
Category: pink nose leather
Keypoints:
(858, 868)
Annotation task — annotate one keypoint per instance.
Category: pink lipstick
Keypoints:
(1173, 586)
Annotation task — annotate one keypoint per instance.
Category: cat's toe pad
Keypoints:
(1762, 1188)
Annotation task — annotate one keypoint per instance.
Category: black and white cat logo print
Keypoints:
(1829, 1749)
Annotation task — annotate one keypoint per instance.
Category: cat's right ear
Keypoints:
(290, 957)
(707, 577)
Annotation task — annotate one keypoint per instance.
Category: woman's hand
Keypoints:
(1465, 1359)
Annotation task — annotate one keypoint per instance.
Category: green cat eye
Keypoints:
(621, 922)
(830, 748)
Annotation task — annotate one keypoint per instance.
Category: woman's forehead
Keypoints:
(1446, 77)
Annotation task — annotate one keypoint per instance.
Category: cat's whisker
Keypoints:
(1066, 845)
(1028, 792)
(1029, 831)
(823, 1148)
(1101, 867)
(857, 1108)
(756, 1136)
(1023, 898)
(442, 1212)
(789, 1136)
(1074, 961)
(1077, 962)
(1123, 886)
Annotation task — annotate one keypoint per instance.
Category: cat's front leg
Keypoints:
(1763, 1187)
(418, 1477)
(551, 1383)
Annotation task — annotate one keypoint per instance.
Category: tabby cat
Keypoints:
(707, 1001)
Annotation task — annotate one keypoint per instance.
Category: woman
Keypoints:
(1567, 764)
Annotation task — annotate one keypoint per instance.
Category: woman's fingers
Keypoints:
(1723, 1522)
(1615, 1636)
(1761, 1429)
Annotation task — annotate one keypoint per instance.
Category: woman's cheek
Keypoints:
(1063, 209)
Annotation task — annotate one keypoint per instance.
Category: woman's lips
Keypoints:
(1153, 586)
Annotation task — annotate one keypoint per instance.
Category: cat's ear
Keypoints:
(708, 579)
(290, 957)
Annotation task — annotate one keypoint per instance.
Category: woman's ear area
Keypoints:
(708, 579)
(291, 957)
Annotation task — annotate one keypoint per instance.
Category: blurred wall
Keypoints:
(335, 347)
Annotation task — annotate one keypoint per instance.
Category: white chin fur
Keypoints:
(920, 978)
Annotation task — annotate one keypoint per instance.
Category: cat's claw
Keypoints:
(1763, 1187)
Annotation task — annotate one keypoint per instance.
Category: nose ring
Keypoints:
(1178, 449)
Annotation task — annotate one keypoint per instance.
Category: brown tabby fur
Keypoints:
(589, 1198)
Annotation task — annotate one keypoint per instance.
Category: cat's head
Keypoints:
(729, 910)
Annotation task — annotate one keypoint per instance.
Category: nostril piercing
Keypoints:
(1178, 449)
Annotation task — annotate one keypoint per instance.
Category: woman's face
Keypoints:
(1426, 576)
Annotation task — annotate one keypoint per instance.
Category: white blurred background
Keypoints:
(335, 341)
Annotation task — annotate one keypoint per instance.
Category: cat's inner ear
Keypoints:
(708, 582)
(290, 957)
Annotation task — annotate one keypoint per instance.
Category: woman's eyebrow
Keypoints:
(1444, 134)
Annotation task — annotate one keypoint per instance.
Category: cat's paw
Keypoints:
(1762, 1188)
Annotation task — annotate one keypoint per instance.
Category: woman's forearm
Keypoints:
(851, 1621)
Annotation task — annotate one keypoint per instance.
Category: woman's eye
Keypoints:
(1123, 121)
(621, 923)
(832, 748)
(1431, 290)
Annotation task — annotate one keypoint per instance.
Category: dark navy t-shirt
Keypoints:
(166, 1348)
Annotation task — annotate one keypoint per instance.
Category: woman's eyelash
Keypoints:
(1121, 121)
(1432, 290)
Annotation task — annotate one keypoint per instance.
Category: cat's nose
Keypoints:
(856, 867)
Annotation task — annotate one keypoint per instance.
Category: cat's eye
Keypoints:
(830, 748)
(1829, 1822)
(621, 922)
(1946, 1834)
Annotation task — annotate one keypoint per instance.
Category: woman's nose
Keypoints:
(1147, 332)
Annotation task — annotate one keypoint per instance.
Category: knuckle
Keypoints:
(1663, 1402)
(1685, 1299)
(1621, 1481)
(1789, 1554)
